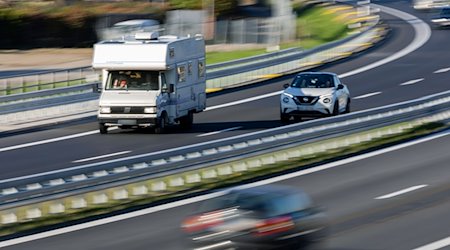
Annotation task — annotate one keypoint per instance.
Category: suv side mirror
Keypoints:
(286, 85)
(340, 86)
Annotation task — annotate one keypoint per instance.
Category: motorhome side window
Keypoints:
(164, 85)
(132, 80)
(181, 70)
(190, 68)
(201, 68)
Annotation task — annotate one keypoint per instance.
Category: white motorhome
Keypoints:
(150, 81)
(430, 4)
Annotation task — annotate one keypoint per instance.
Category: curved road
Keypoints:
(403, 79)
(359, 221)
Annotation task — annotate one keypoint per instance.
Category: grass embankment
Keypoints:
(315, 26)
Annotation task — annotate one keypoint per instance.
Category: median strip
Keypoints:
(147, 190)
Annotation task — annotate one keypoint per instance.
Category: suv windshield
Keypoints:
(313, 81)
(132, 80)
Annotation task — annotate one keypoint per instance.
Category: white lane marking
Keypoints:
(49, 140)
(220, 131)
(366, 95)
(400, 192)
(441, 70)
(179, 203)
(435, 245)
(412, 82)
(101, 156)
(67, 137)
(422, 34)
(244, 100)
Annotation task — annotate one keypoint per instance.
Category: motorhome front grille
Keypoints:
(127, 110)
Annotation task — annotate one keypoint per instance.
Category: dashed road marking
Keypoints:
(412, 82)
(366, 95)
(101, 156)
(435, 245)
(403, 191)
(220, 131)
(441, 70)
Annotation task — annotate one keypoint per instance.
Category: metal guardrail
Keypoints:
(43, 80)
(194, 161)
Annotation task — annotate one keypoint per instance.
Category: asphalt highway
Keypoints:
(349, 191)
(373, 88)
(357, 195)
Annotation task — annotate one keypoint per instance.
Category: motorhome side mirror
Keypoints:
(286, 85)
(340, 86)
(97, 88)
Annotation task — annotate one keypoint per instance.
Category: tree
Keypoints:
(221, 7)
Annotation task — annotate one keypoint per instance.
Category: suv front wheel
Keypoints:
(284, 117)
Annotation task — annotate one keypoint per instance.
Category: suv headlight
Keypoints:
(327, 98)
(150, 110)
(286, 97)
(105, 110)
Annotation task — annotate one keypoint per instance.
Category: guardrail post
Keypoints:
(67, 78)
(3, 87)
(24, 89)
(38, 82)
(53, 79)
(81, 76)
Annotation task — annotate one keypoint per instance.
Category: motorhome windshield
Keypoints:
(132, 80)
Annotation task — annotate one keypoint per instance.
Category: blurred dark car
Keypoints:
(443, 19)
(266, 217)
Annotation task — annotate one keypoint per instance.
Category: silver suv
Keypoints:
(314, 94)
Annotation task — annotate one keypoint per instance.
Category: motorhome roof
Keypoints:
(132, 40)
(137, 22)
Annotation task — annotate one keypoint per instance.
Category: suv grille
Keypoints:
(306, 100)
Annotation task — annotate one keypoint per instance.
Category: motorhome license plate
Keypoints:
(127, 122)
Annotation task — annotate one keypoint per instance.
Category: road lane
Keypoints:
(346, 191)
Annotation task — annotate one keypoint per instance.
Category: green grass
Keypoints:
(216, 57)
(314, 28)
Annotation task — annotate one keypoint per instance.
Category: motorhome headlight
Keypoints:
(105, 110)
(150, 110)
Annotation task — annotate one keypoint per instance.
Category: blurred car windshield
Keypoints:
(263, 204)
(313, 81)
(445, 12)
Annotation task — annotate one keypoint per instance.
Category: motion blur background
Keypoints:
(78, 23)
